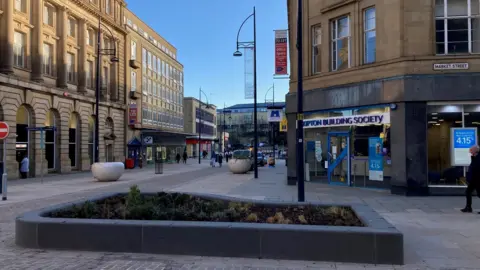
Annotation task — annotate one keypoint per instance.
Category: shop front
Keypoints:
(206, 146)
(168, 143)
(452, 128)
(349, 147)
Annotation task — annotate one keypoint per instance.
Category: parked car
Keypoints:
(261, 159)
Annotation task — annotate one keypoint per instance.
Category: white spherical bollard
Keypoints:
(107, 171)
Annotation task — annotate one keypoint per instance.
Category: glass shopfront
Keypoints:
(349, 147)
(452, 129)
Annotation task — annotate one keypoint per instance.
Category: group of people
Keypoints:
(214, 158)
(184, 157)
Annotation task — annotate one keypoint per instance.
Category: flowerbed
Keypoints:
(185, 207)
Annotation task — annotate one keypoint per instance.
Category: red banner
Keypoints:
(281, 59)
(132, 114)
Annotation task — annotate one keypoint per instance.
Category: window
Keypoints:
(20, 5)
(90, 37)
(340, 43)
(71, 27)
(89, 74)
(133, 81)
(19, 49)
(144, 59)
(48, 14)
(370, 38)
(133, 48)
(48, 59)
(105, 81)
(159, 67)
(107, 6)
(149, 59)
(457, 26)
(71, 67)
(144, 85)
(154, 65)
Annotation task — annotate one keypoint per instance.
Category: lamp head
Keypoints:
(237, 53)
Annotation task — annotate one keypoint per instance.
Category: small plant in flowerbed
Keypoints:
(184, 207)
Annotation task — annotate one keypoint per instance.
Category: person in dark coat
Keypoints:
(473, 178)
(178, 157)
(185, 156)
(220, 160)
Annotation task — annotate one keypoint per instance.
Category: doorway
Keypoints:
(338, 158)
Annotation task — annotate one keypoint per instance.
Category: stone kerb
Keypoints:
(377, 243)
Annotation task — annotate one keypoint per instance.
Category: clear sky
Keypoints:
(204, 33)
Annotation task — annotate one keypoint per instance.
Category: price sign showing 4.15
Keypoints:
(464, 138)
(461, 140)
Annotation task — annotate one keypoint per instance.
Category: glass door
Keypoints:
(339, 158)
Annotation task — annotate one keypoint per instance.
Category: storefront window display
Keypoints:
(352, 125)
(445, 122)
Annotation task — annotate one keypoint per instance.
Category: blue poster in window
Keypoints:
(375, 159)
(461, 141)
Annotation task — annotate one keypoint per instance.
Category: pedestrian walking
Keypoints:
(178, 158)
(185, 156)
(220, 160)
(213, 158)
(473, 178)
(24, 167)
(226, 157)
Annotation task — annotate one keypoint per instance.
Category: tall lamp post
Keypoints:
(200, 92)
(271, 124)
(300, 154)
(114, 59)
(224, 127)
(237, 53)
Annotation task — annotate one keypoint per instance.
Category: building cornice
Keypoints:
(92, 9)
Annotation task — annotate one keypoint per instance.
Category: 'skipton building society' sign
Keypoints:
(353, 120)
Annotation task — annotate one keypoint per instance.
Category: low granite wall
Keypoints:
(377, 243)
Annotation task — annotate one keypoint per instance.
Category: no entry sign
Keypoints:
(4, 130)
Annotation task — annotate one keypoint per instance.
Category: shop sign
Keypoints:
(450, 66)
(353, 120)
(375, 159)
(148, 140)
(275, 115)
(132, 114)
(462, 140)
(283, 125)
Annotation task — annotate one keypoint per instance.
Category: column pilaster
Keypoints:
(82, 56)
(37, 41)
(62, 48)
(6, 63)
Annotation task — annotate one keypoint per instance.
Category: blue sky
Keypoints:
(204, 33)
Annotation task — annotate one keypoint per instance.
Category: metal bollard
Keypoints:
(4, 187)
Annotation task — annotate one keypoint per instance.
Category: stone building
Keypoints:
(200, 117)
(47, 65)
(155, 94)
(391, 94)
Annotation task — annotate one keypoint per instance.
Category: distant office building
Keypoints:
(237, 120)
(155, 93)
(199, 118)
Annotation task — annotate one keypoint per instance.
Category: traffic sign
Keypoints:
(4, 130)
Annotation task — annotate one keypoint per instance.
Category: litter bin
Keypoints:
(129, 163)
(158, 163)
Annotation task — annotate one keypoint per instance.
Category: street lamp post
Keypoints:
(272, 124)
(237, 53)
(114, 59)
(300, 154)
(200, 123)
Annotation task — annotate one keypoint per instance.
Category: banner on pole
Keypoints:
(281, 59)
(248, 56)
